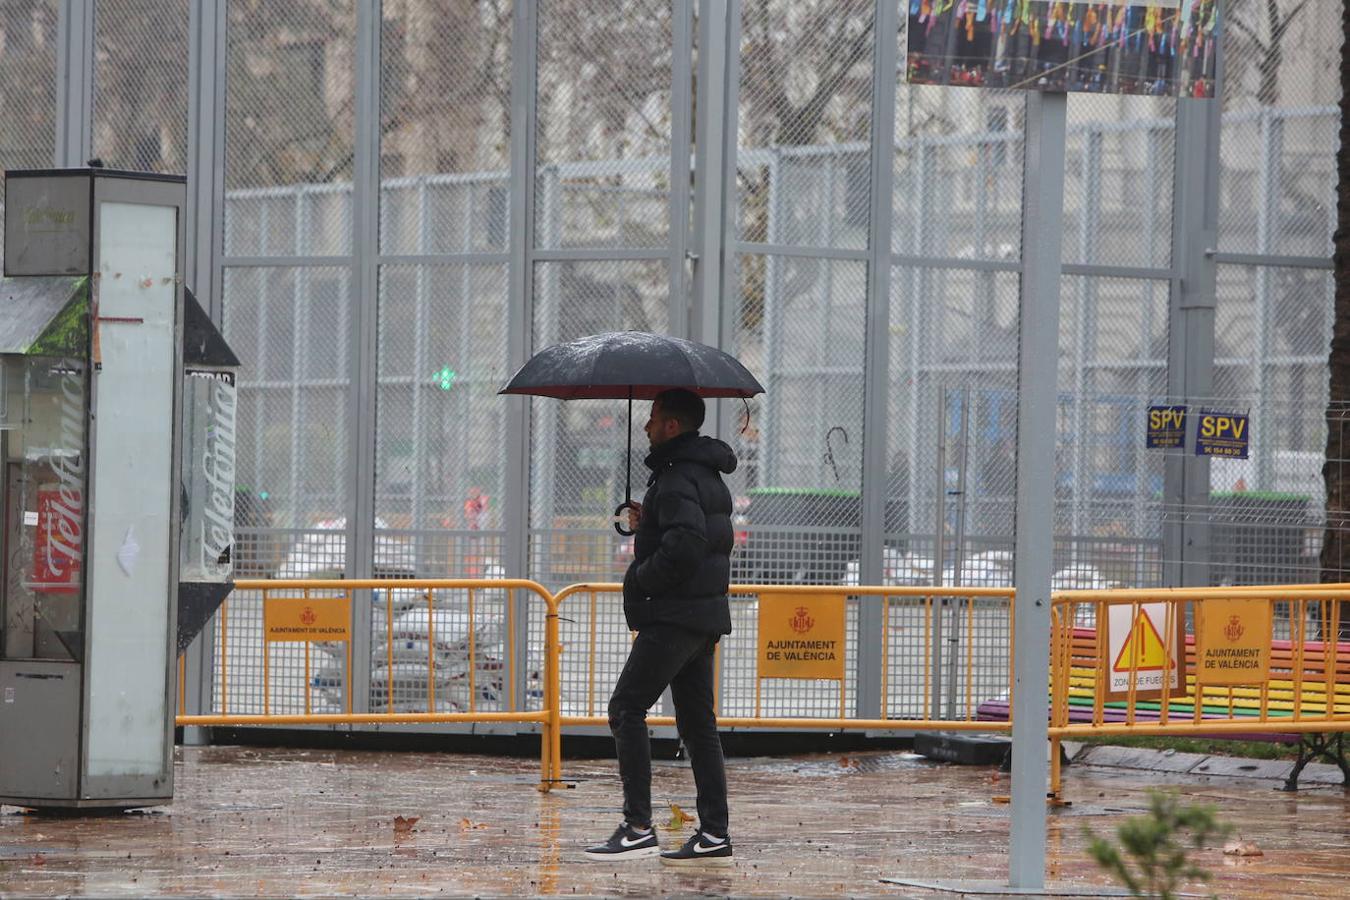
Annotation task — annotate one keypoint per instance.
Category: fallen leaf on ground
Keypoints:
(1242, 848)
(467, 825)
(402, 825)
(678, 818)
(39, 859)
(846, 762)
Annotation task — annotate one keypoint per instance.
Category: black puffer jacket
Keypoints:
(682, 550)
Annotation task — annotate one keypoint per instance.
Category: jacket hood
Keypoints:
(694, 447)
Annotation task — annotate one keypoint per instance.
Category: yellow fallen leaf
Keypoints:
(678, 818)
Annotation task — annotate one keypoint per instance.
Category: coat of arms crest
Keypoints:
(802, 621)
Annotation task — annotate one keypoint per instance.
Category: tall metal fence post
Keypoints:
(516, 520)
(684, 240)
(710, 175)
(955, 606)
(714, 292)
(360, 532)
(723, 314)
(74, 82)
(1190, 334)
(206, 157)
(1270, 189)
(876, 361)
(206, 212)
(1038, 343)
(936, 641)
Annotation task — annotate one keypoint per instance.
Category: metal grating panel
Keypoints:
(805, 114)
(141, 84)
(440, 424)
(289, 328)
(445, 110)
(577, 469)
(289, 120)
(604, 124)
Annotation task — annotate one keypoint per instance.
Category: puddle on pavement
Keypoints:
(315, 823)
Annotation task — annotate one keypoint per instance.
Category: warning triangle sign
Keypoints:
(1149, 653)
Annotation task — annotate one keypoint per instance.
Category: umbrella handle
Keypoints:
(628, 476)
(618, 523)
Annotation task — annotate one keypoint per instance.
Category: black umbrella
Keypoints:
(634, 365)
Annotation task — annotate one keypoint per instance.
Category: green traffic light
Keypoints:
(445, 378)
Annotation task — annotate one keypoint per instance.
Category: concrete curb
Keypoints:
(1172, 762)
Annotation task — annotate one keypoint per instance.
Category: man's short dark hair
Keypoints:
(683, 406)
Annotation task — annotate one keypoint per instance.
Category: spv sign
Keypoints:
(1222, 434)
(1166, 427)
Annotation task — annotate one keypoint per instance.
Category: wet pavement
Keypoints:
(276, 822)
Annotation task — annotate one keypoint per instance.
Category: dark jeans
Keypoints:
(669, 655)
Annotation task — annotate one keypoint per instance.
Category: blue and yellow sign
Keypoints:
(1166, 428)
(1223, 434)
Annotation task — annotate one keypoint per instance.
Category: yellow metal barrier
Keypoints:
(305, 612)
(441, 618)
(923, 603)
(1298, 683)
(1307, 690)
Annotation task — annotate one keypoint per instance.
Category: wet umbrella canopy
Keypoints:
(631, 365)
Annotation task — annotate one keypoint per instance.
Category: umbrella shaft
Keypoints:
(628, 460)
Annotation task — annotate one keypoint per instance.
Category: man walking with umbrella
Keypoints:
(675, 592)
(675, 598)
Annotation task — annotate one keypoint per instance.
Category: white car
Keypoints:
(989, 569)
(993, 568)
(426, 632)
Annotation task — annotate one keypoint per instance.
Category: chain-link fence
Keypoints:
(1277, 148)
(288, 325)
(578, 469)
(445, 122)
(800, 317)
(440, 428)
(28, 60)
(539, 197)
(604, 83)
(141, 85)
(289, 120)
(804, 167)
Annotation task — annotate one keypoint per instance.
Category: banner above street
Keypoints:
(1157, 49)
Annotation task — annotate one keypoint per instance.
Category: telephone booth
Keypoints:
(115, 503)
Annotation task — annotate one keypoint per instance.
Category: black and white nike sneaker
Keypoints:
(700, 850)
(626, 843)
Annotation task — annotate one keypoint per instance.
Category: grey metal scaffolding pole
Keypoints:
(1038, 343)
(74, 82)
(1190, 333)
(874, 476)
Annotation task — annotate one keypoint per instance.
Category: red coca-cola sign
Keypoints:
(59, 543)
